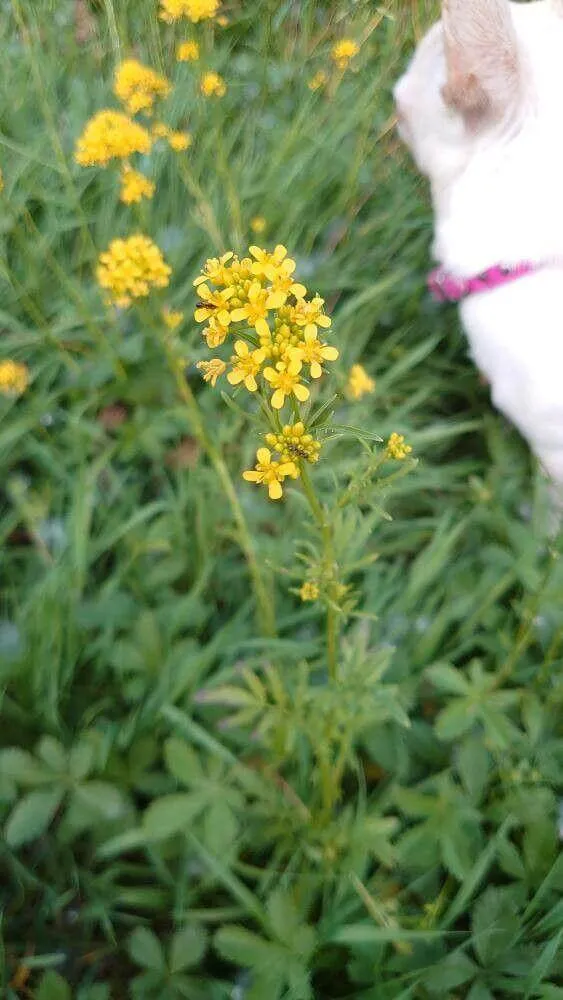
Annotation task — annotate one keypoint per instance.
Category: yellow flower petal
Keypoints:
(276, 300)
(329, 353)
(278, 399)
(251, 476)
(261, 327)
(263, 455)
(294, 366)
(235, 377)
(301, 392)
(270, 374)
(241, 348)
(316, 370)
(250, 383)
(298, 290)
(275, 491)
(238, 314)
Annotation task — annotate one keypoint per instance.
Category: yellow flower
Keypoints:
(294, 443)
(258, 224)
(212, 370)
(271, 474)
(195, 10)
(309, 591)
(215, 334)
(223, 21)
(396, 447)
(212, 85)
(172, 317)
(343, 52)
(134, 186)
(246, 365)
(179, 141)
(137, 86)
(110, 134)
(311, 312)
(260, 300)
(284, 379)
(160, 131)
(14, 378)
(317, 81)
(213, 304)
(214, 270)
(129, 268)
(313, 352)
(359, 383)
(187, 52)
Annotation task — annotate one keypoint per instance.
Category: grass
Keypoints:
(190, 807)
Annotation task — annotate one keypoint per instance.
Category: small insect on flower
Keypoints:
(179, 141)
(294, 443)
(359, 383)
(212, 370)
(130, 268)
(172, 318)
(343, 52)
(317, 81)
(137, 86)
(284, 379)
(109, 135)
(258, 225)
(213, 304)
(187, 52)
(14, 378)
(312, 352)
(271, 474)
(194, 10)
(134, 186)
(396, 447)
(309, 591)
(212, 85)
(246, 366)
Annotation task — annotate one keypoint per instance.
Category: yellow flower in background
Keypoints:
(285, 381)
(317, 81)
(179, 141)
(213, 304)
(309, 591)
(137, 86)
(172, 318)
(343, 52)
(14, 378)
(294, 443)
(313, 352)
(187, 52)
(258, 225)
(271, 474)
(246, 366)
(212, 370)
(110, 134)
(396, 447)
(260, 301)
(212, 85)
(134, 186)
(160, 130)
(359, 383)
(195, 10)
(130, 268)
(223, 21)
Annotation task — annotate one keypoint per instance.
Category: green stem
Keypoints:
(264, 600)
(320, 515)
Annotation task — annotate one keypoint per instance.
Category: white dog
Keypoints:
(480, 107)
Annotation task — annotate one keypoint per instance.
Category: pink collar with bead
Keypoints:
(446, 287)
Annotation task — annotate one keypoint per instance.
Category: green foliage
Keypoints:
(189, 807)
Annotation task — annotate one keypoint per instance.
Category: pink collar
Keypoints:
(446, 287)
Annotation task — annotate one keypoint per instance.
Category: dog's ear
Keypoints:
(483, 67)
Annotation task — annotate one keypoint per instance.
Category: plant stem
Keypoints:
(264, 600)
(320, 516)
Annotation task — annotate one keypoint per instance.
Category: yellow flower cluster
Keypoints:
(343, 52)
(178, 141)
(129, 268)
(270, 473)
(212, 85)
(396, 447)
(359, 382)
(134, 186)
(195, 10)
(14, 378)
(137, 86)
(187, 52)
(282, 325)
(294, 443)
(109, 135)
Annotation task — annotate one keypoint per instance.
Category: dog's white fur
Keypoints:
(480, 107)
